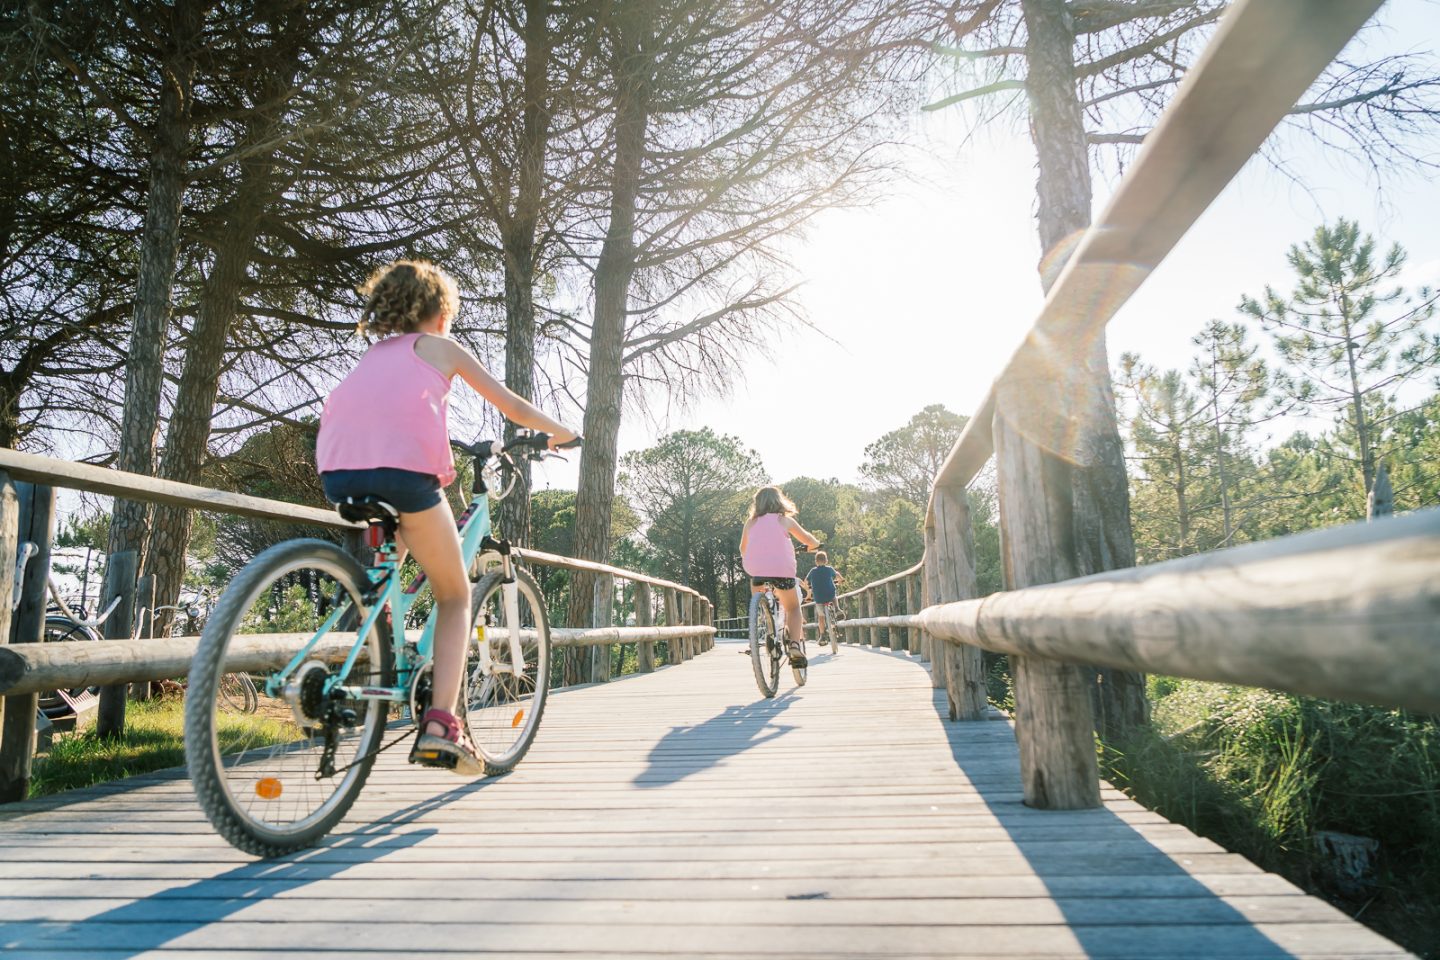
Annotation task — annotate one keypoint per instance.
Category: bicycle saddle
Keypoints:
(367, 509)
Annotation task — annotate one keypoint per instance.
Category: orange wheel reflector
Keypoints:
(519, 716)
(268, 788)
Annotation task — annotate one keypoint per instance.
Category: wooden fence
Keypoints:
(665, 612)
(1348, 613)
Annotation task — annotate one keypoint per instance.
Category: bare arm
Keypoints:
(452, 359)
(744, 537)
(800, 533)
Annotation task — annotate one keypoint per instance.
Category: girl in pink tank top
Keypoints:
(384, 433)
(768, 556)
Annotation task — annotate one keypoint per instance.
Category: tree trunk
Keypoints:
(159, 249)
(594, 501)
(520, 249)
(187, 438)
(1101, 508)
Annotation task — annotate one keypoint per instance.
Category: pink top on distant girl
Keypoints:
(391, 411)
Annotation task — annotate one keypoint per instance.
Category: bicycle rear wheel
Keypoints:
(764, 646)
(60, 629)
(504, 709)
(280, 782)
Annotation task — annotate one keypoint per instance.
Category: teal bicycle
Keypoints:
(279, 786)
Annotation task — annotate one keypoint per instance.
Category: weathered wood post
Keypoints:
(145, 608)
(894, 636)
(708, 620)
(26, 516)
(867, 610)
(951, 574)
(672, 618)
(913, 606)
(930, 572)
(1054, 721)
(603, 612)
(697, 617)
(644, 617)
(119, 582)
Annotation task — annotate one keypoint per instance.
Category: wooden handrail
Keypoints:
(908, 572)
(34, 468)
(36, 667)
(49, 471)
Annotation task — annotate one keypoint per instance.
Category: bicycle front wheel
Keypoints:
(281, 780)
(764, 646)
(503, 707)
(238, 693)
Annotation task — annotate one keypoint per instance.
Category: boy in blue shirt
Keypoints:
(822, 579)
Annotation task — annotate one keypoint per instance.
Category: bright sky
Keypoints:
(923, 297)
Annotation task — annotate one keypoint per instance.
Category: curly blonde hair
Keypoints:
(771, 500)
(400, 296)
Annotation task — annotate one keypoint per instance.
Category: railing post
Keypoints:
(672, 618)
(894, 636)
(644, 617)
(603, 612)
(17, 741)
(913, 606)
(867, 610)
(960, 666)
(1053, 716)
(930, 646)
(119, 581)
(17, 521)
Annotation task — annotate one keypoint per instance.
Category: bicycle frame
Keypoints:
(390, 595)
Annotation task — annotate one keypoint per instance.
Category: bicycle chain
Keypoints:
(374, 753)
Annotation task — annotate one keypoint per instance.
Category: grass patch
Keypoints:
(1264, 773)
(153, 740)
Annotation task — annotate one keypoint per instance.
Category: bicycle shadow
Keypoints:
(689, 750)
(1121, 894)
(152, 922)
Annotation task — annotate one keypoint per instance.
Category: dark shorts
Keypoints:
(405, 490)
(780, 583)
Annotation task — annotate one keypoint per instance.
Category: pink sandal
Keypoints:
(451, 750)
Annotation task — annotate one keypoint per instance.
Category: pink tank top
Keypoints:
(767, 548)
(389, 412)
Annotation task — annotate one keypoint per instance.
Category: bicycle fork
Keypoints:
(510, 599)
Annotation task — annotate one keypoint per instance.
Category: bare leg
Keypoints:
(794, 622)
(432, 537)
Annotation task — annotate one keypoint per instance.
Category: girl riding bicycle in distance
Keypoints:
(384, 433)
(769, 557)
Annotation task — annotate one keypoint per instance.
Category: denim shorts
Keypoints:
(405, 490)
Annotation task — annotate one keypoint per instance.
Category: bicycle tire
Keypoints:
(61, 629)
(764, 646)
(227, 773)
(239, 693)
(504, 712)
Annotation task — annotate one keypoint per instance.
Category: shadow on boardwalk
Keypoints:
(688, 750)
(1077, 884)
(227, 893)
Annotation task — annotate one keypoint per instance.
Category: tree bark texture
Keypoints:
(188, 435)
(159, 250)
(520, 247)
(605, 390)
(1100, 493)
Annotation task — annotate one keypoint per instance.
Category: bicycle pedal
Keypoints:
(434, 758)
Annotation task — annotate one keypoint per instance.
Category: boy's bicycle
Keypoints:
(769, 641)
(825, 616)
(353, 670)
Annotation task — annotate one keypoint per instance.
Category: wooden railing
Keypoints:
(1348, 613)
(665, 612)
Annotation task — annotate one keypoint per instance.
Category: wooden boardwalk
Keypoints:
(671, 814)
